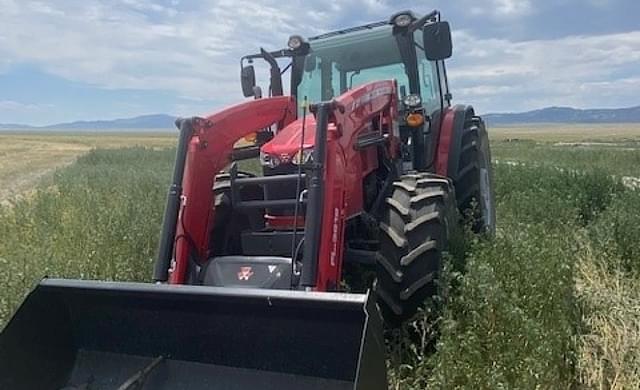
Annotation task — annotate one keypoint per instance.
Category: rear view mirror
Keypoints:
(437, 41)
(248, 80)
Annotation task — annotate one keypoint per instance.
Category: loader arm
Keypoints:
(343, 120)
(205, 149)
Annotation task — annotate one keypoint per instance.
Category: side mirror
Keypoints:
(437, 41)
(248, 80)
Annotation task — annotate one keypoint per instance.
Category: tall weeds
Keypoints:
(550, 303)
(99, 220)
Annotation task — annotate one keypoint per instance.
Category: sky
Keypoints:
(67, 60)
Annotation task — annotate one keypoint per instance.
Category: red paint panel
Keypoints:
(287, 141)
(284, 222)
(333, 216)
(208, 153)
(444, 143)
(346, 168)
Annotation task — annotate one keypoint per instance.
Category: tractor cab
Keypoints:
(406, 48)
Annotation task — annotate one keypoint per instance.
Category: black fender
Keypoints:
(432, 136)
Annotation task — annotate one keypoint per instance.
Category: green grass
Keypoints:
(99, 220)
(516, 319)
(623, 160)
(531, 309)
(512, 320)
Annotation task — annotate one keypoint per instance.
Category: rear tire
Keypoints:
(474, 179)
(414, 232)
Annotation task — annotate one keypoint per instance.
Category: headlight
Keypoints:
(304, 156)
(402, 20)
(412, 101)
(268, 160)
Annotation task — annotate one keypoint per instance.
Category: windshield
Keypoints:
(339, 63)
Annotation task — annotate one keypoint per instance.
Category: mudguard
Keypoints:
(450, 140)
(469, 184)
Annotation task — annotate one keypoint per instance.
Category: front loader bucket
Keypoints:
(71, 334)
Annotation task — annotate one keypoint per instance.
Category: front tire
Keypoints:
(414, 233)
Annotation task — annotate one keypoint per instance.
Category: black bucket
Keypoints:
(71, 334)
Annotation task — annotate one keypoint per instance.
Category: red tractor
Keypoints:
(365, 166)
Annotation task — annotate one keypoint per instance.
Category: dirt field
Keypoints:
(606, 132)
(26, 158)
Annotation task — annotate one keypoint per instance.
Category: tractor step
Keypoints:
(244, 181)
(104, 335)
(237, 183)
(270, 204)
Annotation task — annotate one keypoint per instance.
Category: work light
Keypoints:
(295, 42)
(412, 101)
(402, 20)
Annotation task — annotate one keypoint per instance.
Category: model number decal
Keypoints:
(334, 236)
(369, 96)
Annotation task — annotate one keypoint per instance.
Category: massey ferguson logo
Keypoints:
(245, 273)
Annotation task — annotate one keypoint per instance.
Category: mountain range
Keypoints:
(568, 115)
(545, 115)
(144, 122)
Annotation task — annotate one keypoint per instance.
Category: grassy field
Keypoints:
(554, 301)
(604, 132)
(27, 158)
(616, 160)
(551, 303)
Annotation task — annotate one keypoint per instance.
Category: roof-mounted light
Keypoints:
(295, 42)
(402, 20)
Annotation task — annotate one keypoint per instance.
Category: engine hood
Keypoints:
(286, 143)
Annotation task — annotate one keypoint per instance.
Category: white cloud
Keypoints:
(192, 49)
(503, 8)
(583, 71)
(135, 44)
(512, 7)
(44, 8)
(12, 106)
